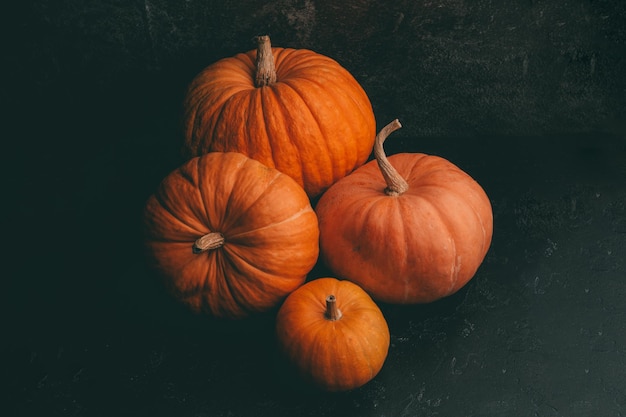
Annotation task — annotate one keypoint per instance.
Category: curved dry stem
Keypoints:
(396, 185)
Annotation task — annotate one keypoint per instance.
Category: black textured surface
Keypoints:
(451, 67)
(528, 97)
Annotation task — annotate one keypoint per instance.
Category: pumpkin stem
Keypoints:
(265, 71)
(332, 312)
(208, 242)
(396, 185)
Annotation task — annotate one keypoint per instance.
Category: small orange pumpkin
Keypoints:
(229, 235)
(333, 333)
(292, 109)
(412, 228)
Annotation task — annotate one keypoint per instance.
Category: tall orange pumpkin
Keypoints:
(411, 228)
(292, 109)
(230, 236)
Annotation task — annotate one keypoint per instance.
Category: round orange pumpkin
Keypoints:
(292, 109)
(333, 333)
(230, 236)
(411, 228)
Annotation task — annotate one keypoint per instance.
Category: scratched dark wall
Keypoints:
(444, 67)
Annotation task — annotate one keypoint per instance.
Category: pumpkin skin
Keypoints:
(333, 353)
(230, 236)
(416, 246)
(314, 123)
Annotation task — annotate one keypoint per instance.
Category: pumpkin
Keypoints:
(229, 236)
(291, 109)
(409, 229)
(333, 333)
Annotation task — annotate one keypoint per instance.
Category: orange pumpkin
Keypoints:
(292, 109)
(333, 333)
(411, 228)
(229, 235)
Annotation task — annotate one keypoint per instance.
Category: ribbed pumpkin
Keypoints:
(333, 333)
(411, 228)
(292, 109)
(230, 236)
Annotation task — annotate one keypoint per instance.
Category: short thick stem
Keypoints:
(208, 242)
(265, 70)
(332, 311)
(396, 185)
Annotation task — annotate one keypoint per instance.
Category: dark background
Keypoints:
(527, 96)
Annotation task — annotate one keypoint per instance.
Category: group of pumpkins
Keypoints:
(233, 232)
